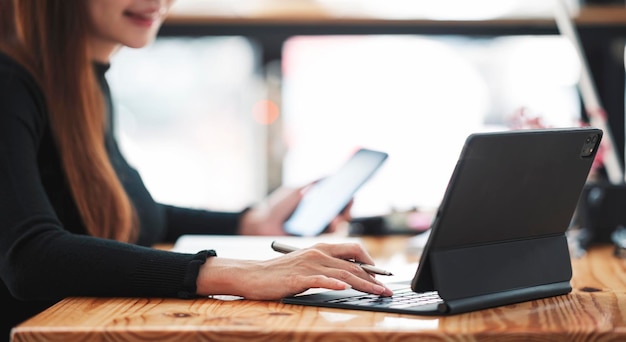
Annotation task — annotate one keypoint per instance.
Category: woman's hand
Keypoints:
(322, 266)
(268, 217)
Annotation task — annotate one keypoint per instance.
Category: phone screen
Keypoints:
(329, 196)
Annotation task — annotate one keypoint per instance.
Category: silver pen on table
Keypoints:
(282, 248)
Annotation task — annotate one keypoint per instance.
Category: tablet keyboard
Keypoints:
(402, 298)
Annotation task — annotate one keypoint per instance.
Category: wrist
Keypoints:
(222, 276)
(190, 289)
(243, 219)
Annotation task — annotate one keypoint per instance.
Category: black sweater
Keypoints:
(45, 254)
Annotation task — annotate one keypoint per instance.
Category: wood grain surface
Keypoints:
(594, 311)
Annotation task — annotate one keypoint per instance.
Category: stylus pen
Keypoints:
(282, 248)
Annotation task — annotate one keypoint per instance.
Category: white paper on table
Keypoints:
(250, 247)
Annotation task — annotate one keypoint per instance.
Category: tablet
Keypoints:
(329, 196)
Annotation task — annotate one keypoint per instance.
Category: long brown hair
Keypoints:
(50, 39)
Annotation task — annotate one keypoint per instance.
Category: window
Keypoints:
(416, 98)
(186, 111)
(184, 120)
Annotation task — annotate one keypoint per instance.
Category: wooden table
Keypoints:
(594, 311)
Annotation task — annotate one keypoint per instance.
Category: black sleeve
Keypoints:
(39, 258)
(197, 221)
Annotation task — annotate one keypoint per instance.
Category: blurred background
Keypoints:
(216, 121)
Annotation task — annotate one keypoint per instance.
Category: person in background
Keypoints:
(76, 218)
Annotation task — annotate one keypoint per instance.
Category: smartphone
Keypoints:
(330, 195)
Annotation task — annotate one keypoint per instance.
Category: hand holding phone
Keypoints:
(325, 199)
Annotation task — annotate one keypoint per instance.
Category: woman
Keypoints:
(75, 218)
